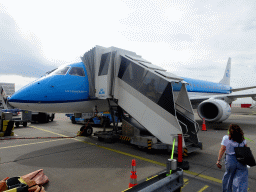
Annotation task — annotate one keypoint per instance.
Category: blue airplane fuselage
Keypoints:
(61, 88)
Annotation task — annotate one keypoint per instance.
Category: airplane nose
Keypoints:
(29, 94)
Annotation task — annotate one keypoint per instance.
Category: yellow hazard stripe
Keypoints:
(151, 178)
(125, 138)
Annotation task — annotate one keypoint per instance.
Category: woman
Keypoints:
(236, 175)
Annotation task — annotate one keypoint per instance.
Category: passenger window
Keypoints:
(77, 71)
(61, 71)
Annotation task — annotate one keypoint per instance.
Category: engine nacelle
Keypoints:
(214, 110)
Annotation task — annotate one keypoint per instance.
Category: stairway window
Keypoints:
(133, 74)
(153, 86)
(104, 63)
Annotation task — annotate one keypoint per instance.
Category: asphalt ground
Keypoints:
(86, 164)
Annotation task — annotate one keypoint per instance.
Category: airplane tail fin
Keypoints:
(226, 78)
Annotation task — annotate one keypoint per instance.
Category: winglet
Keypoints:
(226, 78)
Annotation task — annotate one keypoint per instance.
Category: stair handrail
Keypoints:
(185, 126)
(183, 108)
(187, 116)
(198, 127)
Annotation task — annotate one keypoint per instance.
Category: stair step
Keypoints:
(192, 149)
(188, 144)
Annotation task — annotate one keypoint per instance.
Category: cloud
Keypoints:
(190, 38)
(18, 55)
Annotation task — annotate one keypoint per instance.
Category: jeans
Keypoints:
(236, 175)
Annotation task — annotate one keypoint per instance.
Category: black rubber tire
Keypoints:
(47, 118)
(25, 124)
(52, 117)
(87, 131)
(17, 124)
(73, 119)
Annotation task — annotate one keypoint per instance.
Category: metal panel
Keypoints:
(89, 62)
(150, 115)
(169, 75)
(151, 66)
(183, 104)
(137, 58)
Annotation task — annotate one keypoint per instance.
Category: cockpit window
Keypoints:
(77, 71)
(61, 71)
(49, 72)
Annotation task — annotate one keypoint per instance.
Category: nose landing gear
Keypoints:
(86, 130)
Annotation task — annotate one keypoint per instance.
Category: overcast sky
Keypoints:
(189, 38)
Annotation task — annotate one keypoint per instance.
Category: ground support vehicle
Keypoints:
(19, 117)
(6, 124)
(38, 117)
(94, 120)
(22, 118)
(103, 119)
(132, 133)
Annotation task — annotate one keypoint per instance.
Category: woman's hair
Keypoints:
(236, 133)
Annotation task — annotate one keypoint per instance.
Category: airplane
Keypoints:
(66, 90)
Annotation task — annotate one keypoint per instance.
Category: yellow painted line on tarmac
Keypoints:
(123, 153)
(205, 187)
(138, 157)
(29, 144)
(203, 176)
(49, 131)
(185, 183)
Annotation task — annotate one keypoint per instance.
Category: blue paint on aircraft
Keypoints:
(62, 86)
(57, 87)
(195, 85)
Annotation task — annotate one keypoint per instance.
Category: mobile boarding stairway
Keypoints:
(156, 100)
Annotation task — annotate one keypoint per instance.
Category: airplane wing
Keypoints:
(231, 97)
(243, 88)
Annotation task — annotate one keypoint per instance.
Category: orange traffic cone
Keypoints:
(204, 126)
(133, 176)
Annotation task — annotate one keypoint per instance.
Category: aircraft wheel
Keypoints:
(87, 131)
(25, 124)
(47, 119)
(17, 124)
(73, 119)
(52, 117)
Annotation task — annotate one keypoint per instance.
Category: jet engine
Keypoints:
(214, 110)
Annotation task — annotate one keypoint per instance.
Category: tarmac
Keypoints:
(86, 164)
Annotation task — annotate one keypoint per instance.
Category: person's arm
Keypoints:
(221, 152)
